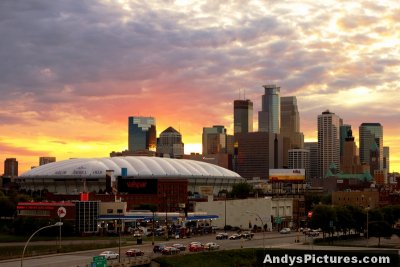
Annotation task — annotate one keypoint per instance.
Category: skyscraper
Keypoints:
(328, 141)
(11, 167)
(386, 156)
(344, 129)
(350, 161)
(257, 153)
(371, 133)
(141, 134)
(214, 140)
(313, 148)
(242, 116)
(269, 118)
(290, 126)
(300, 159)
(170, 144)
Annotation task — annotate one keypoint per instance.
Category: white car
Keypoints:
(211, 246)
(109, 255)
(285, 231)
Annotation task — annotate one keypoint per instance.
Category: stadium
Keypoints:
(95, 174)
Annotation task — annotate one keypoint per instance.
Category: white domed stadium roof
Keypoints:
(136, 166)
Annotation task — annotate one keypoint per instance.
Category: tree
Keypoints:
(322, 217)
(8, 207)
(379, 229)
(344, 219)
(359, 218)
(241, 190)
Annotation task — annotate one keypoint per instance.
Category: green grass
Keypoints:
(226, 258)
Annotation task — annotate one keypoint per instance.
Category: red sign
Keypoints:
(24, 207)
(61, 212)
(84, 196)
(137, 184)
(309, 214)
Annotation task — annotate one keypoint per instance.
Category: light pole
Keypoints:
(367, 225)
(262, 226)
(27, 242)
(152, 241)
(368, 207)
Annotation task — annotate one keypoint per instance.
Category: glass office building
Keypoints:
(371, 133)
(242, 116)
(269, 118)
(142, 134)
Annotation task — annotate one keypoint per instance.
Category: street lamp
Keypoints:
(48, 226)
(262, 226)
(368, 207)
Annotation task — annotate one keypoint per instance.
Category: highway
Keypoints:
(272, 240)
(82, 258)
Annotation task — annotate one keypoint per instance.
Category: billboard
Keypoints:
(137, 186)
(286, 175)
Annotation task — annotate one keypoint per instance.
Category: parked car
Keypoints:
(109, 255)
(195, 243)
(181, 247)
(285, 231)
(158, 247)
(170, 251)
(134, 252)
(247, 235)
(196, 248)
(137, 234)
(211, 246)
(313, 233)
(221, 236)
(234, 237)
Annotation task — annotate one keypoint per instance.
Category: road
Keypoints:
(85, 257)
(272, 240)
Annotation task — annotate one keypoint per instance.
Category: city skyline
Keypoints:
(72, 72)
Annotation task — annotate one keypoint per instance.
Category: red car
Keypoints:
(196, 248)
(134, 252)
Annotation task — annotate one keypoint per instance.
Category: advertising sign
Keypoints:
(137, 186)
(286, 175)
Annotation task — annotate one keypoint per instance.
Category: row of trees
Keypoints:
(345, 219)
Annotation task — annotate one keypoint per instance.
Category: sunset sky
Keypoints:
(71, 72)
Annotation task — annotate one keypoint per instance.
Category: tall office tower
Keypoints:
(371, 133)
(300, 159)
(46, 160)
(142, 134)
(257, 152)
(386, 157)
(350, 161)
(313, 148)
(242, 116)
(328, 141)
(230, 144)
(374, 158)
(344, 129)
(11, 167)
(214, 140)
(170, 144)
(290, 126)
(269, 118)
